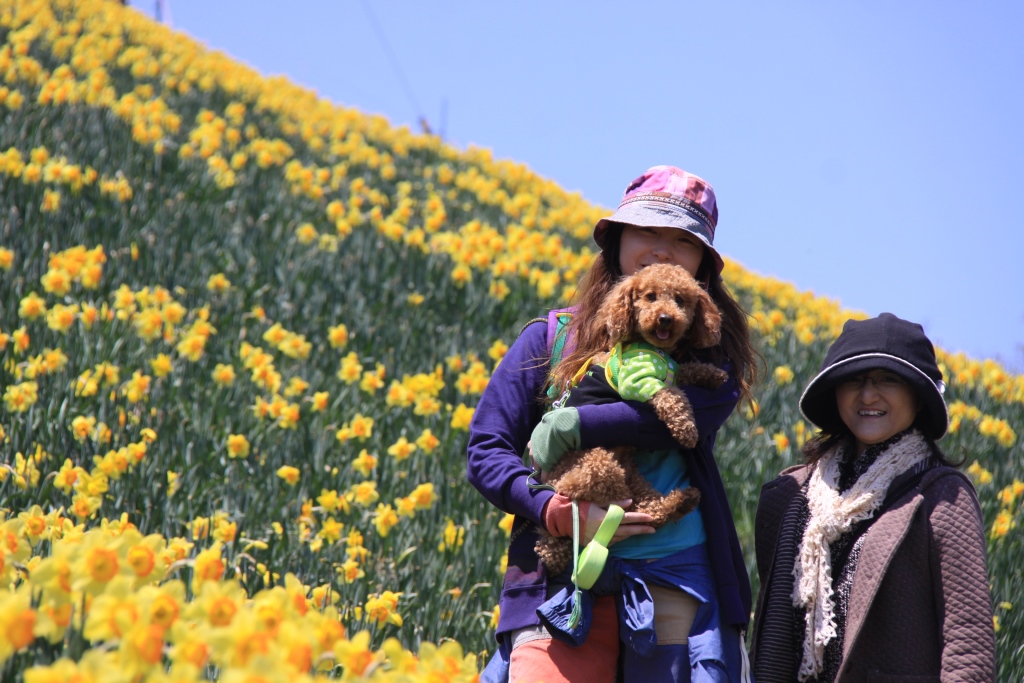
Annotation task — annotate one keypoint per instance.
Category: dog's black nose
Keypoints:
(665, 320)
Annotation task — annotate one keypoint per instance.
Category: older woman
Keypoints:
(872, 554)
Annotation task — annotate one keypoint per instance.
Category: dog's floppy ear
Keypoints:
(706, 328)
(616, 313)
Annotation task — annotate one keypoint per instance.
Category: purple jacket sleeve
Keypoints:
(502, 423)
(632, 423)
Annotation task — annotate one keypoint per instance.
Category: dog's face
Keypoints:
(662, 312)
(663, 305)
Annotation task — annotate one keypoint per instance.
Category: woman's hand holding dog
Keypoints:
(633, 523)
(558, 519)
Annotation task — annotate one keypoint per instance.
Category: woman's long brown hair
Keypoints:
(603, 275)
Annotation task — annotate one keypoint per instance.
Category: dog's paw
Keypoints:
(682, 502)
(685, 433)
(554, 553)
(673, 408)
(703, 375)
(671, 507)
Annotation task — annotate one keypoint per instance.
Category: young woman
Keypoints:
(666, 216)
(872, 555)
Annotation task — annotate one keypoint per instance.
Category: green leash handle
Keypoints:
(595, 555)
(609, 525)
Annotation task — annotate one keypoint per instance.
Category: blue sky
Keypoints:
(871, 152)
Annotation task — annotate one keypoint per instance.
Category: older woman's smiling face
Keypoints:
(876, 405)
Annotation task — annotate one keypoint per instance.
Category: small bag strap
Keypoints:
(558, 333)
(558, 322)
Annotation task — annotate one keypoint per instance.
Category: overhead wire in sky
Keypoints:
(396, 66)
(162, 12)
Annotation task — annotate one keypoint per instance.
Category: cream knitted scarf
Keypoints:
(832, 514)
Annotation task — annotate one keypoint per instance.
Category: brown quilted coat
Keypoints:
(919, 608)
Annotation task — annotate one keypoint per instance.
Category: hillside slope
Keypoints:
(242, 331)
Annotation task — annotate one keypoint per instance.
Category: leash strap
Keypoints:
(574, 616)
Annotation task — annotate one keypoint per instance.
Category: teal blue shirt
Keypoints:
(667, 471)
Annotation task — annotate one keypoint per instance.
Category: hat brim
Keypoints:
(818, 402)
(654, 214)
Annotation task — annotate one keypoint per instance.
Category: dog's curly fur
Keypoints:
(664, 306)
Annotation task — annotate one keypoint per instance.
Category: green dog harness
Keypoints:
(623, 356)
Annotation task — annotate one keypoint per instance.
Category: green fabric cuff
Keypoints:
(640, 380)
(556, 433)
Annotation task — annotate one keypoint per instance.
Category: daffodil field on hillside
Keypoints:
(242, 334)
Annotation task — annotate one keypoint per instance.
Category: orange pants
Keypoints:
(543, 658)
(536, 656)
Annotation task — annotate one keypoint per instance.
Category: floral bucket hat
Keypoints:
(668, 197)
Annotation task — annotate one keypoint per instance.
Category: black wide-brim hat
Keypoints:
(886, 343)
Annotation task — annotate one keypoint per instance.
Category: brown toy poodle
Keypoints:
(664, 306)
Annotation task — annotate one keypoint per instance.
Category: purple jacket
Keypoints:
(513, 404)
